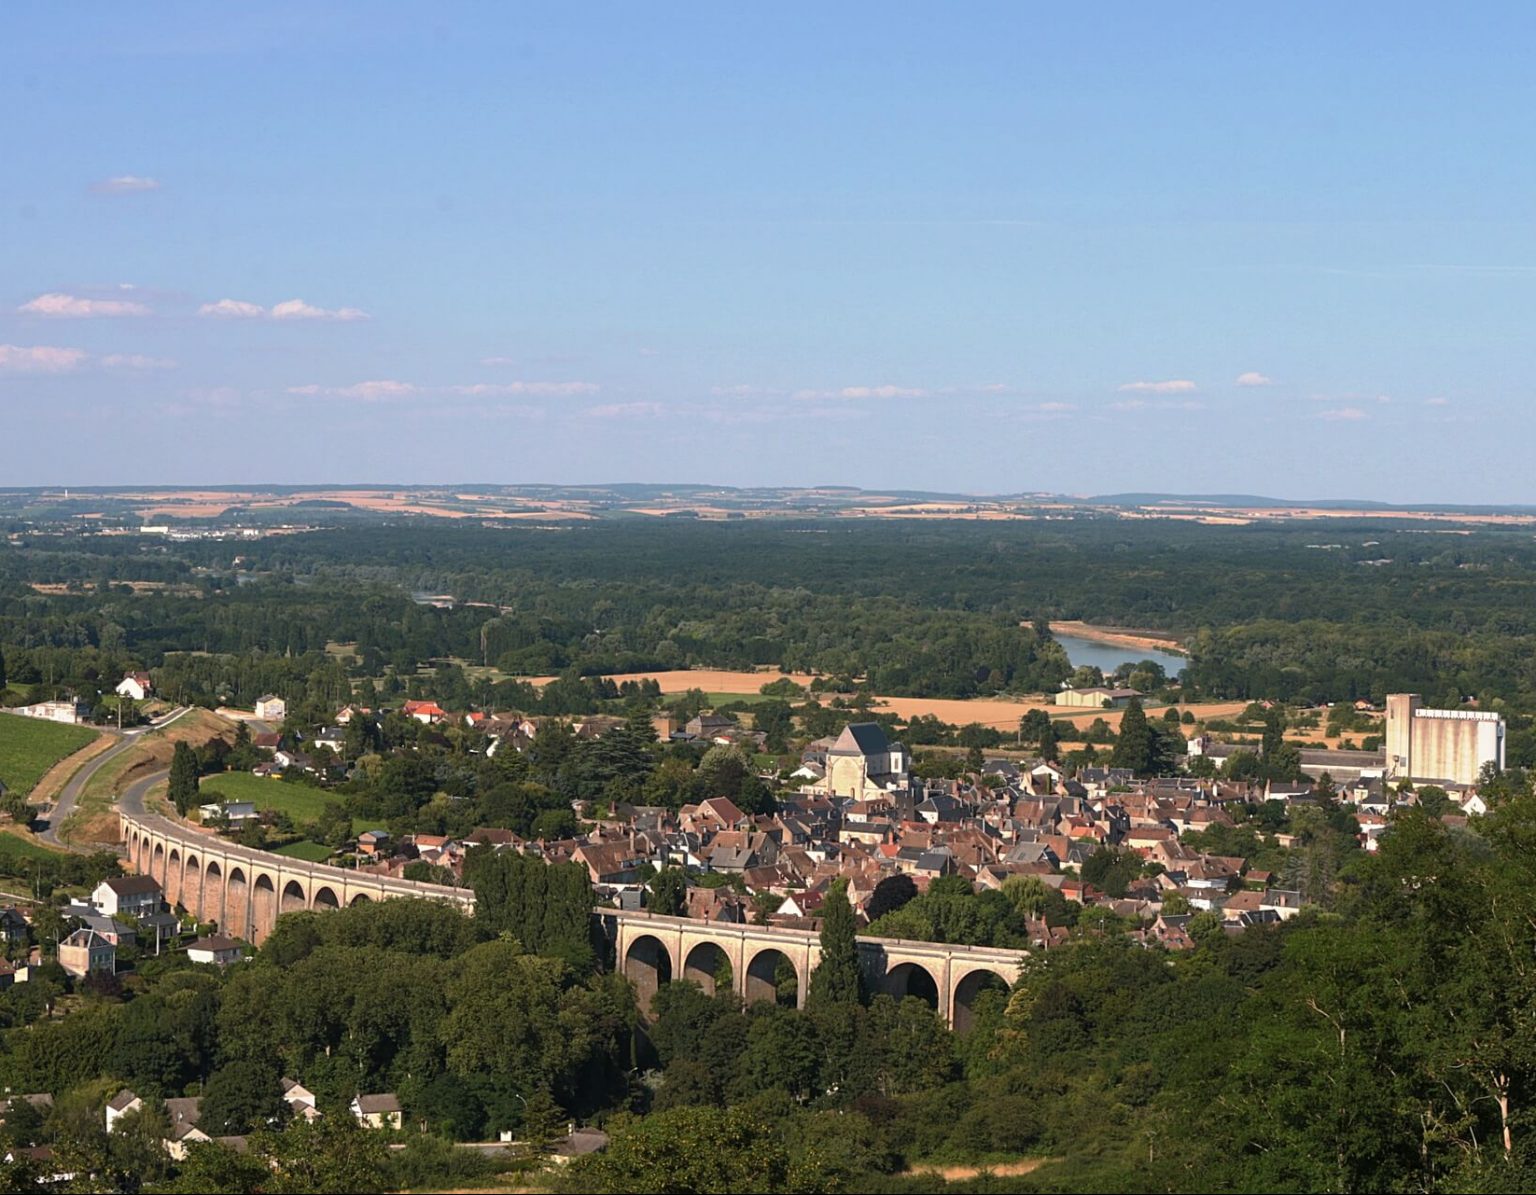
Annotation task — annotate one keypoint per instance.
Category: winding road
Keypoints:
(70, 794)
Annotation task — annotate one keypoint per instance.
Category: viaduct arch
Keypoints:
(652, 950)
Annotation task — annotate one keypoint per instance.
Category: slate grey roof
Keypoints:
(861, 738)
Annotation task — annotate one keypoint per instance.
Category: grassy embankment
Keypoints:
(93, 822)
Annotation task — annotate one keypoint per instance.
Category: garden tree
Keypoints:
(543, 1120)
(183, 790)
(515, 1025)
(1028, 894)
(1111, 870)
(13, 803)
(682, 1017)
(671, 783)
(776, 720)
(838, 978)
(727, 772)
(669, 892)
(167, 1036)
(917, 1048)
(1433, 800)
(1035, 727)
(2, 668)
(889, 895)
(242, 1096)
(699, 1149)
(783, 1053)
(360, 737)
(548, 908)
(57, 1055)
(213, 1169)
(1133, 747)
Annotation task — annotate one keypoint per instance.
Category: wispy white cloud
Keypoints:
(39, 358)
(1383, 399)
(1141, 404)
(498, 360)
(858, 392)
(125, 184)
(1254, 378)
(136, 361)
(743, 391)
(1056, 406)
(232, 309)
(1438, 400)
(375, 391)
(299, 309)
(386, 389)
(289, 309)
(626, 410)
(1342, 414)
(56, 305)
(1172, 386)
(503, 389)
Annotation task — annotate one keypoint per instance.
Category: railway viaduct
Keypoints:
(245, 891)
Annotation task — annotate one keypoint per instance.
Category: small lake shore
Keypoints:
(1120, 636)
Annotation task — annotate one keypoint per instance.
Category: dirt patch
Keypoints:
(959, 1174)
(1118, 636)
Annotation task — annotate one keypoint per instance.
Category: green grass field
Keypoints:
(298, 801)
(13, 846)
(310, 852)
(30, 746)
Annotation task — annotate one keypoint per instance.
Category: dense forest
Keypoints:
(1320, 612)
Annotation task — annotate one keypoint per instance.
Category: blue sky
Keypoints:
(1276, 249)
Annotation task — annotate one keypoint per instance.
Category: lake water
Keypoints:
(1108, 656)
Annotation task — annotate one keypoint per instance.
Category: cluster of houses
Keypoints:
(120, 911)
(72, 711)
(183, 1114)
(861, 816)
(376, 1111)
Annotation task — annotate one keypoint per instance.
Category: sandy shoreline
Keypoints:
(1118, 637)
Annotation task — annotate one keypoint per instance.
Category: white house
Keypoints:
(218, 950)
(271, 708)
(235, 813)
(136, 685)
(127, 896)
(69, 712)
(121, 1105)
(300, 1100)
(380, 1111)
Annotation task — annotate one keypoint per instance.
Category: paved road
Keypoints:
(76, 783)
(132, 800)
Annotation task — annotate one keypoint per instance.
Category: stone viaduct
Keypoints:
(245, 891)
(652, 950)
